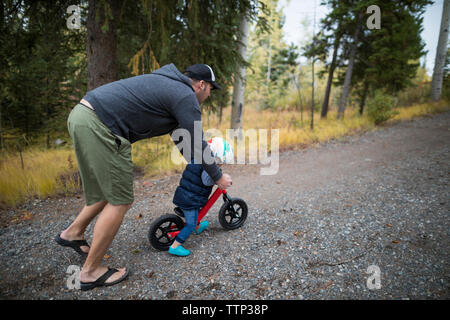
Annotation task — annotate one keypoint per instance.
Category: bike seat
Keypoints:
(179, 212)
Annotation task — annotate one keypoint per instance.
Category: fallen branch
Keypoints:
(320, 264)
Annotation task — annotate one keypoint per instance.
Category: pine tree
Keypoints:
(379, 58)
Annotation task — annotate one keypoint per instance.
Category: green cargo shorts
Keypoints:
(104, 159)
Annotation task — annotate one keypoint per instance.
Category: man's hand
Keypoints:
(225, 181)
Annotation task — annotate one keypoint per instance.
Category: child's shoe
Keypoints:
(179, 251)
(202, 227)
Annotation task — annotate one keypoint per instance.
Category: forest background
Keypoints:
(355, 72)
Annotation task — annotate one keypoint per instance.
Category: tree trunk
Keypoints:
(297, 84)
(101, 46)
(312, 69)
(349, 71)
(269, 61)
(362, 102)
(312, 96)
(268, 76)
(1, 133)
(439, 63)
(326, 100)
(239, 79)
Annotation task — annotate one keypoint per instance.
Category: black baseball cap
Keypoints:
(202, 72)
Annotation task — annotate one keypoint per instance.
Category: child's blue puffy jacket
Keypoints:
(192, 193)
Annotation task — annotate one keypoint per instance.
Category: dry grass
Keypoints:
(420, 110)
(44, 173)
(53, 172)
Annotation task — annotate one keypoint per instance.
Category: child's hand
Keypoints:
(225, 181)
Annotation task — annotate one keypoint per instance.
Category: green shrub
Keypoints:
(381, 107)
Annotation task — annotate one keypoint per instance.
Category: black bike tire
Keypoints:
(158, 225)
(230, 225)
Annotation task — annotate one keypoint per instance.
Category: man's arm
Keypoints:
(187, 113)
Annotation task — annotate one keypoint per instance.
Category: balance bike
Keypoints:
(232, 215)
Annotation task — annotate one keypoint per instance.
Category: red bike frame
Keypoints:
(203, 211)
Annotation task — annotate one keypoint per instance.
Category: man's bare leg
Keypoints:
(76, 230)
(105, 229)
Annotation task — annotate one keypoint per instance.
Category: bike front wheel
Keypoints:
(233, 214)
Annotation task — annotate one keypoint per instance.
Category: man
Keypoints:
(103, 127)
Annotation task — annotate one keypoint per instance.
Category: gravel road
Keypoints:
(373, 206)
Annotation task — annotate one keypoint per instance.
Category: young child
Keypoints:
(193, 193)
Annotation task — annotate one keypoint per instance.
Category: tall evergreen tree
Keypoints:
(388, 57)
(270, 57)
(46, 67)
(382, 58)
(37, 71)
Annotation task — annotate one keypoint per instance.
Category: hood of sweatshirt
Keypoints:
(170, 71)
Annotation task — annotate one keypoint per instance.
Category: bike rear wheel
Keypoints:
(163, 231)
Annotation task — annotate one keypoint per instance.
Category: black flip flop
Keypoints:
(74, 244)
(100, 282)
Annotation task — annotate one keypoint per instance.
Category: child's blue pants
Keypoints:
(190, 217)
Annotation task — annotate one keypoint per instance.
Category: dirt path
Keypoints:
(317, 229)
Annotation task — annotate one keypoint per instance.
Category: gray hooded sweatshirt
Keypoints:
(151, 105)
